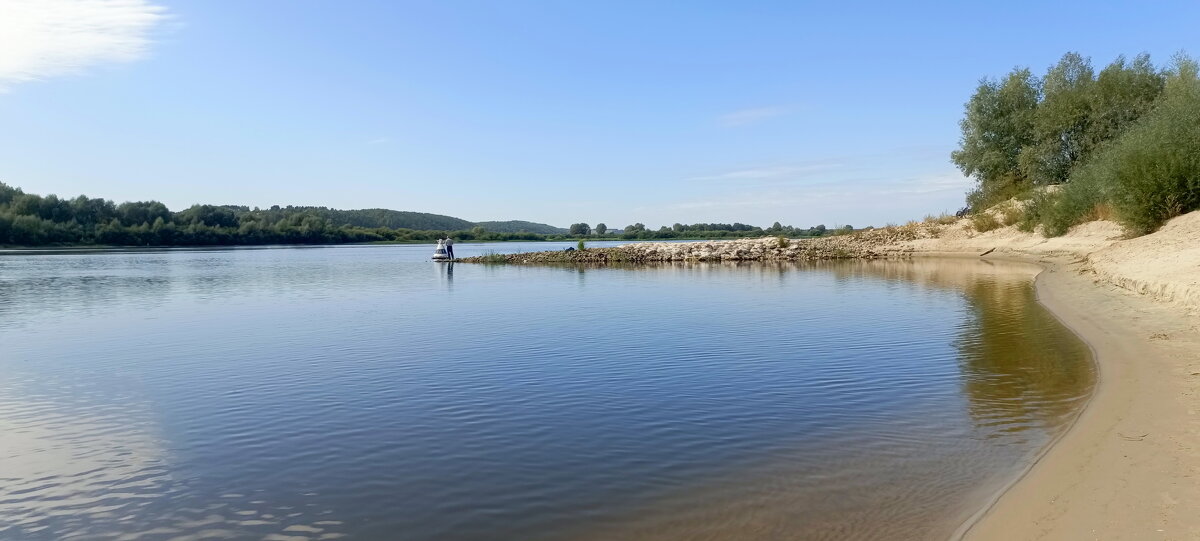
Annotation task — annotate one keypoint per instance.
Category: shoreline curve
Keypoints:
(1126, 467)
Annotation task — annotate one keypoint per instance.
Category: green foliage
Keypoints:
(1124, 142)
(1072, 204)
(519, 226)
(1122, 94)
(32, 220)
(782, 241)
(1150, 173)
(1037, 205)
(7, 193)
(998, 124)
(1027, 131)
(580, 229)
(391, 219)
(601, 228)
(493, 257)
(580, 246)
(145, 212)
(1060, 122)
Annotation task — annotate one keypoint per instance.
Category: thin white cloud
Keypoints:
(746, 117)
(40, 39)
(379, 141)
(949, 182)
(857, 200)
(771, 172)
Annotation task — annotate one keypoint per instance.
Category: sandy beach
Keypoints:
(1129, 468)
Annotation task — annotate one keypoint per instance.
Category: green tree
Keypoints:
(996, 127)
(7, 193)
(1151, 172)
(6, 221)
(1122, 94)
(601, 228)
(1061, 122)
(210, 215)
(580, 229)
(141, 212)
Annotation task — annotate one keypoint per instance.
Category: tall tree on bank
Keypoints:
(1061, 122)
(1025, 131)
(997, 126)
(1150, 172)
(1122, 94)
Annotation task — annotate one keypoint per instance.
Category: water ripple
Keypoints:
(364, 393)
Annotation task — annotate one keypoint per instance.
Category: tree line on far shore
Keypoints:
(1123, 143)
(34, 220)
(639, 231)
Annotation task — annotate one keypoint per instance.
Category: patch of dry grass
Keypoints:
(1101, 211)
(1010, 213)
(984, 222)
(940, 219)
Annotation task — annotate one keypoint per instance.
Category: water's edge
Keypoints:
(1040, 286)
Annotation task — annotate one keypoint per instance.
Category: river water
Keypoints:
(364, 392)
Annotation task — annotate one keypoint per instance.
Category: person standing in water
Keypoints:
(449, 247)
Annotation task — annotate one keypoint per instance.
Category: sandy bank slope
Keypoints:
(1164, 265)
(1130, 467)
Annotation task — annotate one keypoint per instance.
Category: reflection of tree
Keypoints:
(1021, 367)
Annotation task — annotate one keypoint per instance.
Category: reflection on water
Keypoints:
(367, 392)
(1013, 368)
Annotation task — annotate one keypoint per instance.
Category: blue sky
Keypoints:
(558, 112)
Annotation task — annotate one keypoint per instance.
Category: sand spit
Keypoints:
(880, 243)
(1130, 466)
(1164, 264)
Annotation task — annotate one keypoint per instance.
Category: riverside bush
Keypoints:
(1072, 205)
(1124, 143)
(1148, 175)
(1033, 212)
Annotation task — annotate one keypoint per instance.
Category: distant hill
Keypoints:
(518, 226)
(423, 221)
(393, 219)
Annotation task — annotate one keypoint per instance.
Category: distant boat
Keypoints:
(439, 254)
